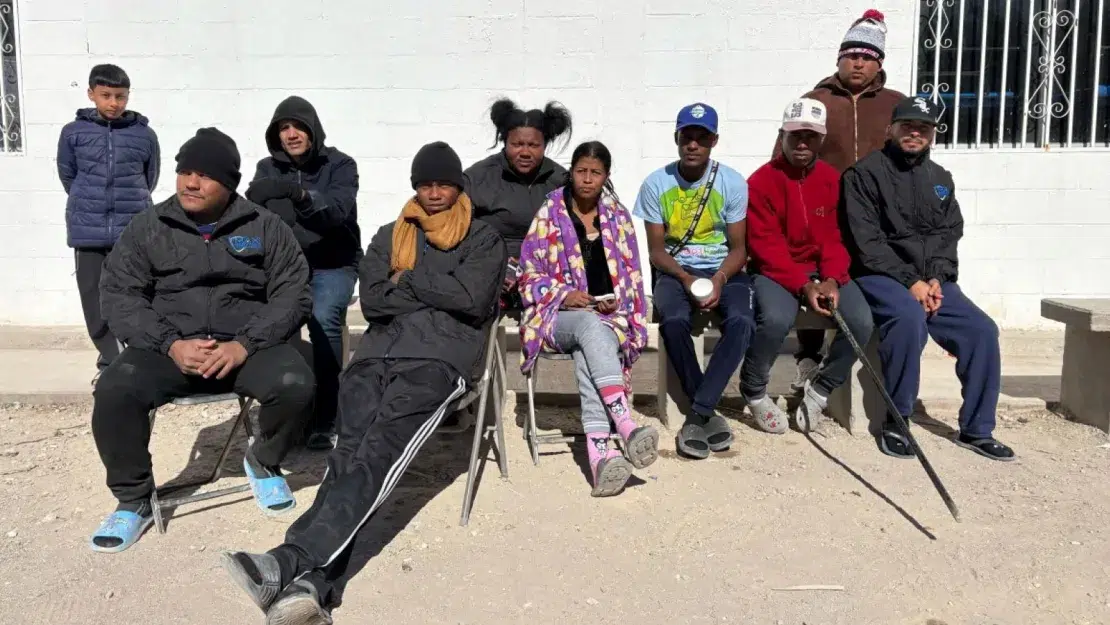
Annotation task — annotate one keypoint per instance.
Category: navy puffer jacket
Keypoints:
(108, 168)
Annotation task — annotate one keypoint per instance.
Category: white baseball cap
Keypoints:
(805, 114)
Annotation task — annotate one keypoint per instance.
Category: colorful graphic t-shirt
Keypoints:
(669, 199)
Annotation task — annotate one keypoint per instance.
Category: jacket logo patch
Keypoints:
(240, 244)
(941, 190)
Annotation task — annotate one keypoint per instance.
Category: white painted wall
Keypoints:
(388, 77)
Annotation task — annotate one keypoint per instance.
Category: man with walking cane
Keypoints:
(902, 225)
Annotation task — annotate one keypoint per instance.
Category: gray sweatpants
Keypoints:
(597, 362)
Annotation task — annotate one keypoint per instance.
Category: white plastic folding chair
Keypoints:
(158, 503)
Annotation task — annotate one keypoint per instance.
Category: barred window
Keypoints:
(1016, 73)
(11, 128)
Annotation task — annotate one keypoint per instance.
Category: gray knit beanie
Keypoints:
(866, 36)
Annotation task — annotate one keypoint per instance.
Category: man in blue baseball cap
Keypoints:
(694, 211)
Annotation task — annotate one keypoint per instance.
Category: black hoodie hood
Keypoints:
(299, 110)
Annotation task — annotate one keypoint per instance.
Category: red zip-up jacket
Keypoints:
(793, 232)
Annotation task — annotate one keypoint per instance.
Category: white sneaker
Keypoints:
(807, 369)
(808, 415)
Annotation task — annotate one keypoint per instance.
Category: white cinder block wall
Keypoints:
(388, 77)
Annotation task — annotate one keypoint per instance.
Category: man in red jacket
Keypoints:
(798, 259)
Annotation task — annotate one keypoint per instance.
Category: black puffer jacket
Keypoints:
(508, 202)
(438, 311)
(163, 281)
(900, 217)
(327, 223)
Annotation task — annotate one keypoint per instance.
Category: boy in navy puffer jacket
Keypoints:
(108, 161)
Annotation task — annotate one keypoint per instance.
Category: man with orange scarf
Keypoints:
(428, 286)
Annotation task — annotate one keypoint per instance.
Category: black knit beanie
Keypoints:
(212, 153)
(437, 162)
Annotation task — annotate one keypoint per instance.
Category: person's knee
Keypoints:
(120, 378)
(674, 317)
(739, 316)
(984, 328)
(329, 319)
(909, 320)
(859, 320)
(776, 322)
(295, 385)
(594, 333)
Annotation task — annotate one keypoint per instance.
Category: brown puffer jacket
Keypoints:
(857, 124)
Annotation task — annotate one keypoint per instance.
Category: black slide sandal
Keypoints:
(718, 433)
(692, 441)
(986, 447)
(895, 445)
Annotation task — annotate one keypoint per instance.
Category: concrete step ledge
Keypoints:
(1014, 343)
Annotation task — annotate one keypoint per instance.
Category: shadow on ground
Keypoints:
(1046, 387)
(441, 461)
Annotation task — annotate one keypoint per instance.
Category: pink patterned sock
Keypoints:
(616, 403)
(597, 447)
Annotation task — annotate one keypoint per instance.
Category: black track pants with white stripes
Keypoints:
(387, 411)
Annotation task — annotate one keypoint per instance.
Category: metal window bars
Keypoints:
(11, 127)
(1016, 73)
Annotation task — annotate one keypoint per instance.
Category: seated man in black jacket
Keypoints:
(902, 227)
(313, 188)
(205, 289)
(429, 287)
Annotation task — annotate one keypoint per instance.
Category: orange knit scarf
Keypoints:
(443, 230)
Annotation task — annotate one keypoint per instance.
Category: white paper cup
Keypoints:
(701, 289)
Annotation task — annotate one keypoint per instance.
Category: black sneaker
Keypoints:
(259, 575)
(298, 604)
(323, 440)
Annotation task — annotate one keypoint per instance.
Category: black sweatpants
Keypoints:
(388, 409)
(140, 380)
(88, 263)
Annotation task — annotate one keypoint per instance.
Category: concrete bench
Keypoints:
(846, 404)
(1084, 392)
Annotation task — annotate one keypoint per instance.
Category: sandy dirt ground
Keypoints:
(703, 542)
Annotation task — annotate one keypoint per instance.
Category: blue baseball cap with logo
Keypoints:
(697, 114)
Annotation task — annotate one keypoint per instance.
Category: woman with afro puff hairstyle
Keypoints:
(507, 188)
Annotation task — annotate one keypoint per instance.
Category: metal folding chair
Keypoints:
(531, 432)
(157, 503)
(490, 380)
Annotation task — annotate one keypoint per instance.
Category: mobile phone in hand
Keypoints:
(602, 298)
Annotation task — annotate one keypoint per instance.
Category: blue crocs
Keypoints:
(119, 531)
(272, 494)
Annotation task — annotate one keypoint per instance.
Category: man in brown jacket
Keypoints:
(859, 108)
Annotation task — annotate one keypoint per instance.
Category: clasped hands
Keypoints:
(928, 294)
(207, 358)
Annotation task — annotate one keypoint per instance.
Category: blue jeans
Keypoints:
(597, 362)
(675, 309)
(776, 310)
(960, 327)
(331, 294)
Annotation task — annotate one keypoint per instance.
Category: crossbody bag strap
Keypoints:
(708, 189)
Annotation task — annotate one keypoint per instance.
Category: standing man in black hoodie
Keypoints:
(428, 287)
(313, 188)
